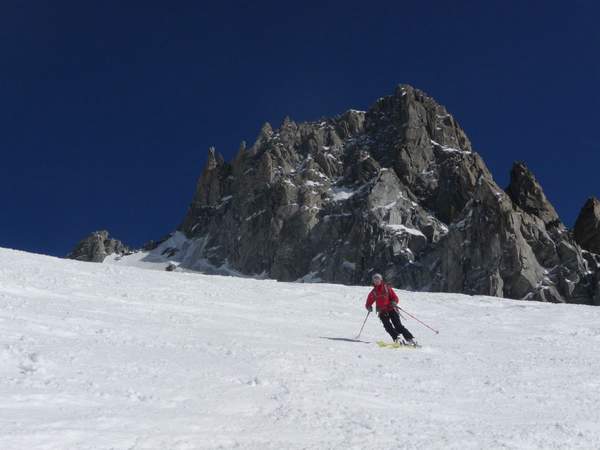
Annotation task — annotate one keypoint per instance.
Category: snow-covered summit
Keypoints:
(98, 356)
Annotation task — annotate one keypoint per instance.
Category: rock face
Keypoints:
(496, 248)
(397, 189)
(527, 194)
(587, 226)
(96, 247)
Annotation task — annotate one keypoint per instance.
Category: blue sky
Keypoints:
(108, 108)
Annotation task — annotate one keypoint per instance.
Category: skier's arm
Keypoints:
(370, 301)
(393, 297)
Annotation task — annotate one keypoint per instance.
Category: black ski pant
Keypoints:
(391, 323)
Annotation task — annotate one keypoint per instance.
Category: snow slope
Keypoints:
(177, 250)
(100, 356)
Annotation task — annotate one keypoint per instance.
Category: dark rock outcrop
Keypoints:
(527, 194)
(96, 247)
(587, 226)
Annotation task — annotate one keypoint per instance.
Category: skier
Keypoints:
(386, 302)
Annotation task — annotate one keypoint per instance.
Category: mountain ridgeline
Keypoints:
(397, 189)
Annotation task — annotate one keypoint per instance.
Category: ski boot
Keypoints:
(411, 342)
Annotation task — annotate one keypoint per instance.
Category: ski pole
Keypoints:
(420, 321)
(363, 325)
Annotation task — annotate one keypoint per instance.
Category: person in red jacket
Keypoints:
(386, 301)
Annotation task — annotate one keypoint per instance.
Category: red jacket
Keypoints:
(383, 296)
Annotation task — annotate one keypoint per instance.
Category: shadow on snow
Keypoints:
(343, 339)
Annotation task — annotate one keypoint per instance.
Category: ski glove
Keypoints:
(369, 308)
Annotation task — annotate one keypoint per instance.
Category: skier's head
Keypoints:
(377, 279)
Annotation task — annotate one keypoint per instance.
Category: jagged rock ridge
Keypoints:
(527, 194)
(396, 189)
(587, 226)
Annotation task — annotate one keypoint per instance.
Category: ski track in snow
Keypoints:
(98, 356)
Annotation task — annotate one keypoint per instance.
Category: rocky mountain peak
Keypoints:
(211, 163)
(264, 135)
(587, 226)
(396, 189)
(241, 150)
(525, 191)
